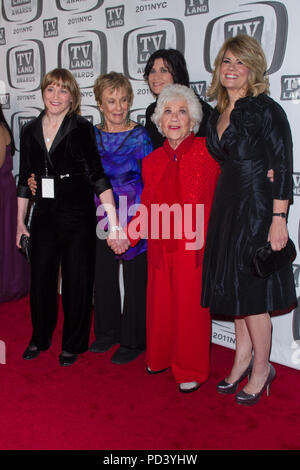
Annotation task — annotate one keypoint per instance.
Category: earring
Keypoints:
(128, 118)
(102, 119)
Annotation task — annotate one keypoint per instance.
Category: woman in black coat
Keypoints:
(59, 147)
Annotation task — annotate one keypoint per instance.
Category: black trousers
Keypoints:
(66, 240)
(128, 327)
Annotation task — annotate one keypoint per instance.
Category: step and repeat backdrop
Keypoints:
(91, 37)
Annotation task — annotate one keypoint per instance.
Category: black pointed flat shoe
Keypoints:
(150, 371)
(67, 359)
(31, 352)
(124, 355)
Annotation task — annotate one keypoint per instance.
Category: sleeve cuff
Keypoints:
(23, 191)
(102, 185)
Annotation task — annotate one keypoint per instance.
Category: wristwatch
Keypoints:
(280, 214)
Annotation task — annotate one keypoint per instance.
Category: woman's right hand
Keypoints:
(32, 184)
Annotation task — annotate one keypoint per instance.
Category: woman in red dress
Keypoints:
(179, 183)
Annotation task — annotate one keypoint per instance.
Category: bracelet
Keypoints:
(115, 228)
(280, 214)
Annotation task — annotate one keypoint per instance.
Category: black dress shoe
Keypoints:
(100, 346)
(150, 371)
(124, 355)
(67, 359)
(31, 352)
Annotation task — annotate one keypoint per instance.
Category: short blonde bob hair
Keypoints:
(176, 92)
(249, 51)
(65, 79)
(113, 81)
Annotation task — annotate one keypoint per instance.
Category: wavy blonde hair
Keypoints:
(249, 51)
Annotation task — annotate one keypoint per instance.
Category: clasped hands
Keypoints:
(117, 240)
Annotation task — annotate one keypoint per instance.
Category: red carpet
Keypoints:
(95, 404)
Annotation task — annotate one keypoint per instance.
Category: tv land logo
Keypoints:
(140, 43)
(115, 16)
(147, 43)
(78, 6)
(200, 88)
(85, 56)
(290, 87)
(5, 100)
(196, 7)
(50, 27)
(26, 65)
(80, 55)
(296, 185)
(266, 21)
(24, 11)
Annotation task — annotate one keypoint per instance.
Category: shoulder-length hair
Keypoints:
(174, 61)
(65, 79)
(3, 122)
(176, 92)
(250, 52)
(113, 81)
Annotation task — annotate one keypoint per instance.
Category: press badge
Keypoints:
(47, 187)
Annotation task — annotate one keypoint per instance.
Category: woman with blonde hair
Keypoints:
(248, 134)
(122, 144)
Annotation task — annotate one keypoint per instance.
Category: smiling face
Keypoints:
(115, 106)
(57, 99)
(234, 74)
(159, 77)
(175, 122)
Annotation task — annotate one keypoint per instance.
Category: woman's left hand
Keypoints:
(278, 234)
(118, 241)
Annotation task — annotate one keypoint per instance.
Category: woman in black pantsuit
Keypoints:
(59, 147)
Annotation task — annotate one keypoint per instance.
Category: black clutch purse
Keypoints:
(266, 261)
(25, 246)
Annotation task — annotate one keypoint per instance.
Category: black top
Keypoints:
(73, 160)
(156, 137)
(257, 138)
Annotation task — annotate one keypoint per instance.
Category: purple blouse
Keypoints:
(121, 156)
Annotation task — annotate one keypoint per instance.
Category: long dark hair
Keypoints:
(175, 63)
(4, 123)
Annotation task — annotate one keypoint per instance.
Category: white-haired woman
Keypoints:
(179, 181)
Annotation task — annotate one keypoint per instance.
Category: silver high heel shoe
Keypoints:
(226, 388)
(243, 398)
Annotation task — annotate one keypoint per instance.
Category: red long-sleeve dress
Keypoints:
(178, 328)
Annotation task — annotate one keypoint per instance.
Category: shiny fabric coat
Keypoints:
(258, 138)
(62, 231)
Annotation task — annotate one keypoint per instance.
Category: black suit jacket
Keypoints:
(73, 160)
